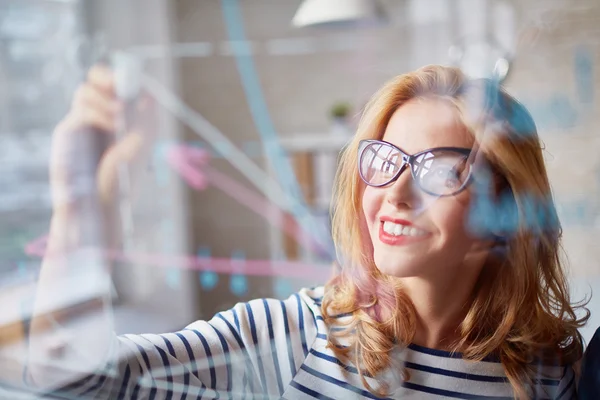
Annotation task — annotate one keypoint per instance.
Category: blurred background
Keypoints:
(271, 89)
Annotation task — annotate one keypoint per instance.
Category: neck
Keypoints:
(441, 306)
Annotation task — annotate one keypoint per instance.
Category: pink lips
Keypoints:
(400, 240)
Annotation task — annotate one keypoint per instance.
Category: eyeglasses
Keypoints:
(441, 171)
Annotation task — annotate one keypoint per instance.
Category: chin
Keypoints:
(395, 268)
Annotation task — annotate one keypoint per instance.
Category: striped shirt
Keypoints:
(275, 349)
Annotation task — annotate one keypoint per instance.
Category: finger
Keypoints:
(88, 96)
(123, 153)
(85, 118)
(146, 118)
(102, 78)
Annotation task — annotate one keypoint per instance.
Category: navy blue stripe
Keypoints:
(227, 357)
(124, 384)
(96, 385)
(288, 340)
(342, 315)
(310, 392)
(273, 347)
(324, 337)
(301, 323)
(169, 373)
(340, 329)
(447, 354)
(74, 385)
(338, 382)
(455, 374)
(147, 361)
(449, 393)
(235, 334)
(169, 347)
(547, 382)
(241, 344)
(334, 360)
(236, 319)
(186, 375)
(192, 358)
(261, 370)
(425, 368)
(433, 370)
(566, 389)
(136, 388)
(209, 358)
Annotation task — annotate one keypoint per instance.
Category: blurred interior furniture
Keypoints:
(314, 159)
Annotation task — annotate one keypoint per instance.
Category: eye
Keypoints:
(388, 167)
(447, 175)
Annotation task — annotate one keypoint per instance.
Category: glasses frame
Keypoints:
(408, 160)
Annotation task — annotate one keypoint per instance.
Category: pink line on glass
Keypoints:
(186, 160)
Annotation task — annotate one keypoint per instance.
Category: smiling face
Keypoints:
(414, 233)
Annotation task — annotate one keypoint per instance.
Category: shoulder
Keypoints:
(267, 318)
(302, 306)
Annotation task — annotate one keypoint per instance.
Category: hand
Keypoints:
(86, 153)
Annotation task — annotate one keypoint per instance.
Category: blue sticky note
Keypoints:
(208, 280)
(203, 252)
(238, 285)
(282, 288)
(238, 261)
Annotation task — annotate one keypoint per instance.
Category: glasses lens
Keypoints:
(441, 172)
(379, 163)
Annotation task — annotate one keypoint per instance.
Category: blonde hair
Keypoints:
(528, 313)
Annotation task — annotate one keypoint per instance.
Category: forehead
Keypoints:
(425, 123)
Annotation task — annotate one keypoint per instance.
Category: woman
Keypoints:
(450, 281)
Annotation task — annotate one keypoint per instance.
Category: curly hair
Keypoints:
(520, 312)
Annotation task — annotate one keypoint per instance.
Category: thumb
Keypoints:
(119, 156)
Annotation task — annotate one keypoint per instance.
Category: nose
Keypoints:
(402, 193)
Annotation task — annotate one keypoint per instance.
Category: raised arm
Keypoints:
(85, 158)
(253, 350)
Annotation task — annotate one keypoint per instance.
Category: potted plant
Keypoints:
(340, 111)
(340, 115)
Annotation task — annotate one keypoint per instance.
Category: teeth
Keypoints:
(398, 229)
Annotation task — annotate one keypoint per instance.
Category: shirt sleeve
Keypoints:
(255, 348)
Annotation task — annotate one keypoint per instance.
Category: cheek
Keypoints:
(371, 201)
(451, 217)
